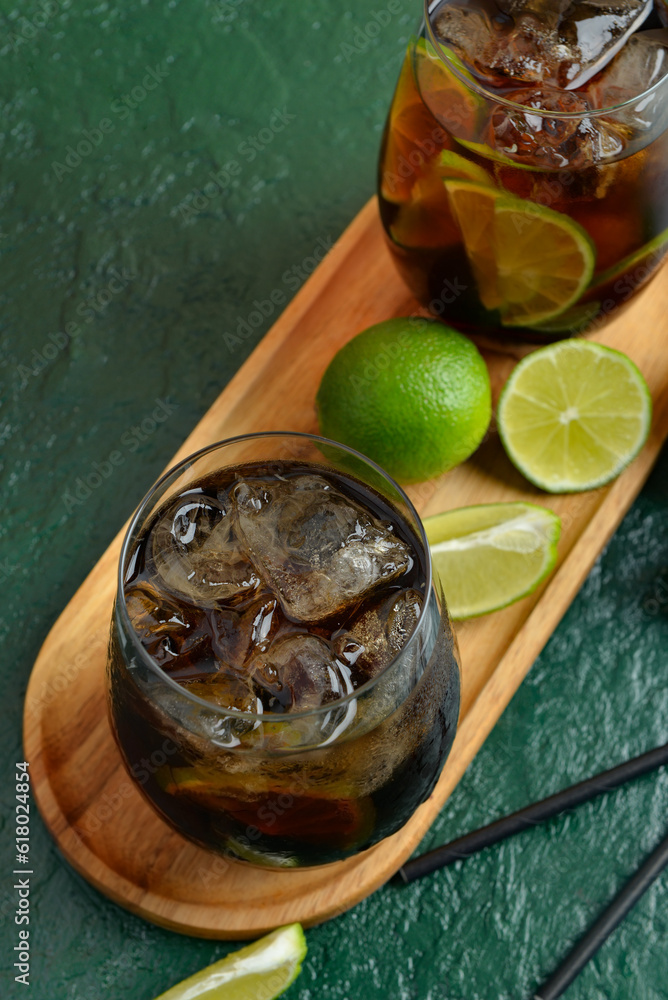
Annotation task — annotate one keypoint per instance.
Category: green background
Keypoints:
(484, 930)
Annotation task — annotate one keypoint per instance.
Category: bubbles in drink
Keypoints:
(195, 555)
(538, 41)
(318, 550)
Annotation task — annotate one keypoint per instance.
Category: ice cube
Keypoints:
(319, 550)
(226, 690)
(380, 633)
(176, 636)
(238, 635)
(561, 42)
(642, 62)
(553, 143)
(299, 672)
(196, 555)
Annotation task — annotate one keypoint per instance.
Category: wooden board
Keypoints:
(100, 822)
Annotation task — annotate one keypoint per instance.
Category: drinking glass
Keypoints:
(302, 787)
(521, 210)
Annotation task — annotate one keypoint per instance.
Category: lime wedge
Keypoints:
(260, 971)
(473, 206)
(573, 415)
(491, 555)
(650, 255)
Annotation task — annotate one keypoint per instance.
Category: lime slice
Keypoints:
(545, 261)
(473, 206)
(572, 321)
(261, 859)
(573, 415)
(425, 219)
(530, 262)
(452, 165)
(444, 88)
(649, 255)
(260, 971)
(491, 555)
(426, 88)
(488, 153)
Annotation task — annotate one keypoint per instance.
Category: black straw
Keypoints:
(605, 925)
(463, 847)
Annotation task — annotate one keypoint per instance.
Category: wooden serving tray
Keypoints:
(100, 821)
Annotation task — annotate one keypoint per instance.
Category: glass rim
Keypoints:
(490, 95)
(232, 713)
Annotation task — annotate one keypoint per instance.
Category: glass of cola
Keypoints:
(282, 674)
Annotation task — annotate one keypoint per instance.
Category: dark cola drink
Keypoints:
(283, 683)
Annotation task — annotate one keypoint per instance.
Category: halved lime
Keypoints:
(260, 971)
(650, 254)
(573, 415)
(491, 555)
(530, 262)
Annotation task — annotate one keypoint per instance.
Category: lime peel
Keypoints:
(650, 254)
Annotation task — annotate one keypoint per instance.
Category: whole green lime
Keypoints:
(411, 394)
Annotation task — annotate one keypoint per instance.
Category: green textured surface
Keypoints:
(485, 930)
